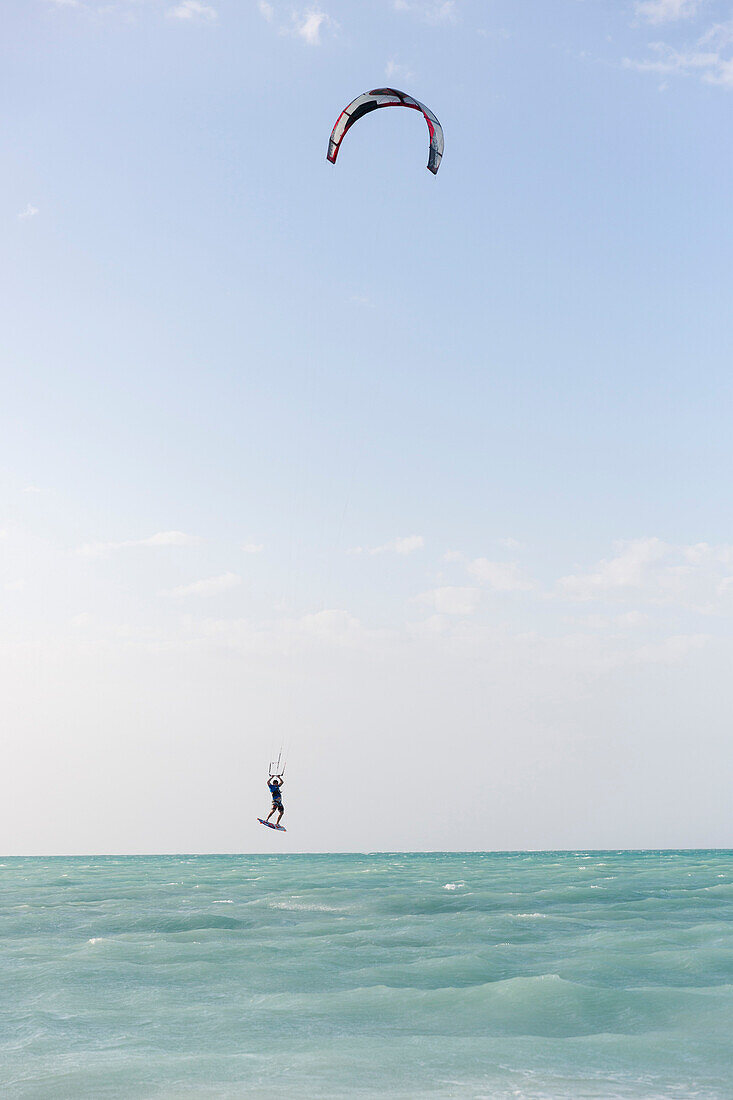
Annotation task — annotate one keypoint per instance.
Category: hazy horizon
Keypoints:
(425, 477)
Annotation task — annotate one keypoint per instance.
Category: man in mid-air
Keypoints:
(275, 782)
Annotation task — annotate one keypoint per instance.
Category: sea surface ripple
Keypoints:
(490, 975)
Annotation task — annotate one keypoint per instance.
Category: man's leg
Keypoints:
(282, 811)
(272, 811)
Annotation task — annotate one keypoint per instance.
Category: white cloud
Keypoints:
(452, 600)
(14, 586)
(710, 58)
(626, 570)
(407, 545)
(432, 11)
(666, 11)
(331, 625)
(32, 489)
(192, 9)
(308, 25)
(209, 586)
(395, 70)
(652, 571)
(711, 67)
(445, 11)
(253, 547)
(29, 212)
(502, 576)
(162, 538)
(403, 545)
(627, 620)
(672, 650)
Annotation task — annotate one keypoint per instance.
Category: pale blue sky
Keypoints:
(236, 377)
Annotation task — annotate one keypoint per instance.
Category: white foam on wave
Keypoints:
(225, 901)
(453, 885)
(300, 907)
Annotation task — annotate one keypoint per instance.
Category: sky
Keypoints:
(425, 478)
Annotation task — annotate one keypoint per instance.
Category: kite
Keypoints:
(386, 97)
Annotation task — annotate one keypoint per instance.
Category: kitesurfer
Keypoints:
(274, 784)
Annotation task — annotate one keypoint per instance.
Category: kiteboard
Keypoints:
(280, 828)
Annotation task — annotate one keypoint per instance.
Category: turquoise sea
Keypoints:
(537, 975)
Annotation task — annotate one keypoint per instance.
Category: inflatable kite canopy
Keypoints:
(386, 97)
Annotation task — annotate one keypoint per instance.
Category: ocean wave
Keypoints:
(522, 983)
(543, 1005)
(306, 907)
(161, 925)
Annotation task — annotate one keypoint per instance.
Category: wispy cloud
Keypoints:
(29, 212)
(432, 11)
(711, 67)
(404, 545)
(452, 599)
(394, 70)
(698, 576)
(310, 23)
(669, 651)
(330, 624)
(193, 9)
(666, 11)
(209, 586)
(162, 538)
(253, 547)
(502, 576)
(628, 569)
(709, 57)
